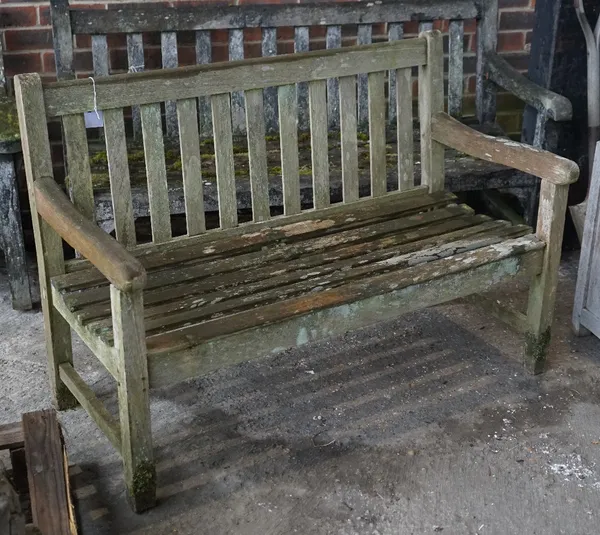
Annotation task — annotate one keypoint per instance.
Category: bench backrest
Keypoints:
(137, 21)
(149, 90)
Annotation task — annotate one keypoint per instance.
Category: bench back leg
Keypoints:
(134, 402)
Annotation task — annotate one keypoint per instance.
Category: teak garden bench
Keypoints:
(148, 25)
(157, 313)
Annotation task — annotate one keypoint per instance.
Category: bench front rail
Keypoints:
(156, 313)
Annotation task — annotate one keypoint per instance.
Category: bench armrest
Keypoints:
(114, 261)
(541, 163)
(557, 107)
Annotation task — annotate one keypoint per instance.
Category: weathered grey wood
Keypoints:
(134, 402)
(377, 148)
(100, 55)
(395, 33)
(118, 169)
(269, 48)
(62, 39)
(150, 18)
(333, 40)
(301, 44)
(190, 166)
(11, 436)
(455, 68)
(203, 56)
(236, 52)
(288, 132)
(257, 155)
(90, 402)
(425, 26)
(50, 261)
(363, 37)
(487, 39)
(135, 61)
(349, 145)
(2, 73)
(121, 90)
(404, 128)
(515, 319)
(317, 98)
(156, 172)
(221, 119)
(168, 49)
(431, 101)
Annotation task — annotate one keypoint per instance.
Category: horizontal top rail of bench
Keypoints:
(131, 18)
(121, 90)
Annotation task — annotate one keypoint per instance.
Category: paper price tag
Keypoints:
(93, 119)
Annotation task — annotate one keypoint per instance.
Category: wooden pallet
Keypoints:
(35, 495)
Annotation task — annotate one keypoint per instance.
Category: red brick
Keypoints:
(252, 35)
(511, 41)
(515, 3)
(517, 20)
(17, 17)
(48, 62)
(83, 41)
(22, 63)
(44, 15)
(28, 39)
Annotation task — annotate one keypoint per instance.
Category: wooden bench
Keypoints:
(168, 26)
(157, 313)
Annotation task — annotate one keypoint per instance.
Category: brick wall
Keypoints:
(28, 45)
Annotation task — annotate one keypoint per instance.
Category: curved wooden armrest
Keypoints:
(541, 163)
(116, 263)
(557, 107)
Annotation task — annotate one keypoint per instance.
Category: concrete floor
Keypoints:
(422, 425)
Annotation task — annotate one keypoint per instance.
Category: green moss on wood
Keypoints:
(362, 136)
(9, 121)
(536, 347)
(275, 170)
(65, 400)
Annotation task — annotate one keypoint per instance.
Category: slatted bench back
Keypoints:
(183, 86)
(135, 21)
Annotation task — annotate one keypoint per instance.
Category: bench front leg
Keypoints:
(542, 293)
(134, 400)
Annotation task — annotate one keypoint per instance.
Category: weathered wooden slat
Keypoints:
(62, 39)
(317, 98)
(301, 44)
(135, 61)
(487, 39)
(455, 68)
(363, 37)
(404, 128)
(221, 119)
(78, 165)
(431, 101)
(395, 33)
(118, 170)
(333, 40)
(377, 148)
(157, 18)
(349, 144)
(143, 88)
(156, 172)
(236, 52)
(11, 436)
(168, 49)
(257, 155)
(288, 133)
(100, 55)
(190, 166)
(269, 48)
(204, 56)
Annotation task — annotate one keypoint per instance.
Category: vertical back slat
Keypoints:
(236, 52)
(404, 129)
(100, 55)
(135, 60)
(425, 26)
(431, 101)
(156, 174)
(301, 44)
(118, 170)
(333, 40)
(377, 133)
(168, 48)
(395, 33)
(203, 56)
(363, 37)
(78, 165)
(317, 99)
(487, 40)
(455, 68)
(348, 138)
(269, 48)
(257, 154)
(189, 141)
(62, 39)
(222, 135)
(288, 133)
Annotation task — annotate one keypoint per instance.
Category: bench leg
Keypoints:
(134, 400)
(542, 294)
